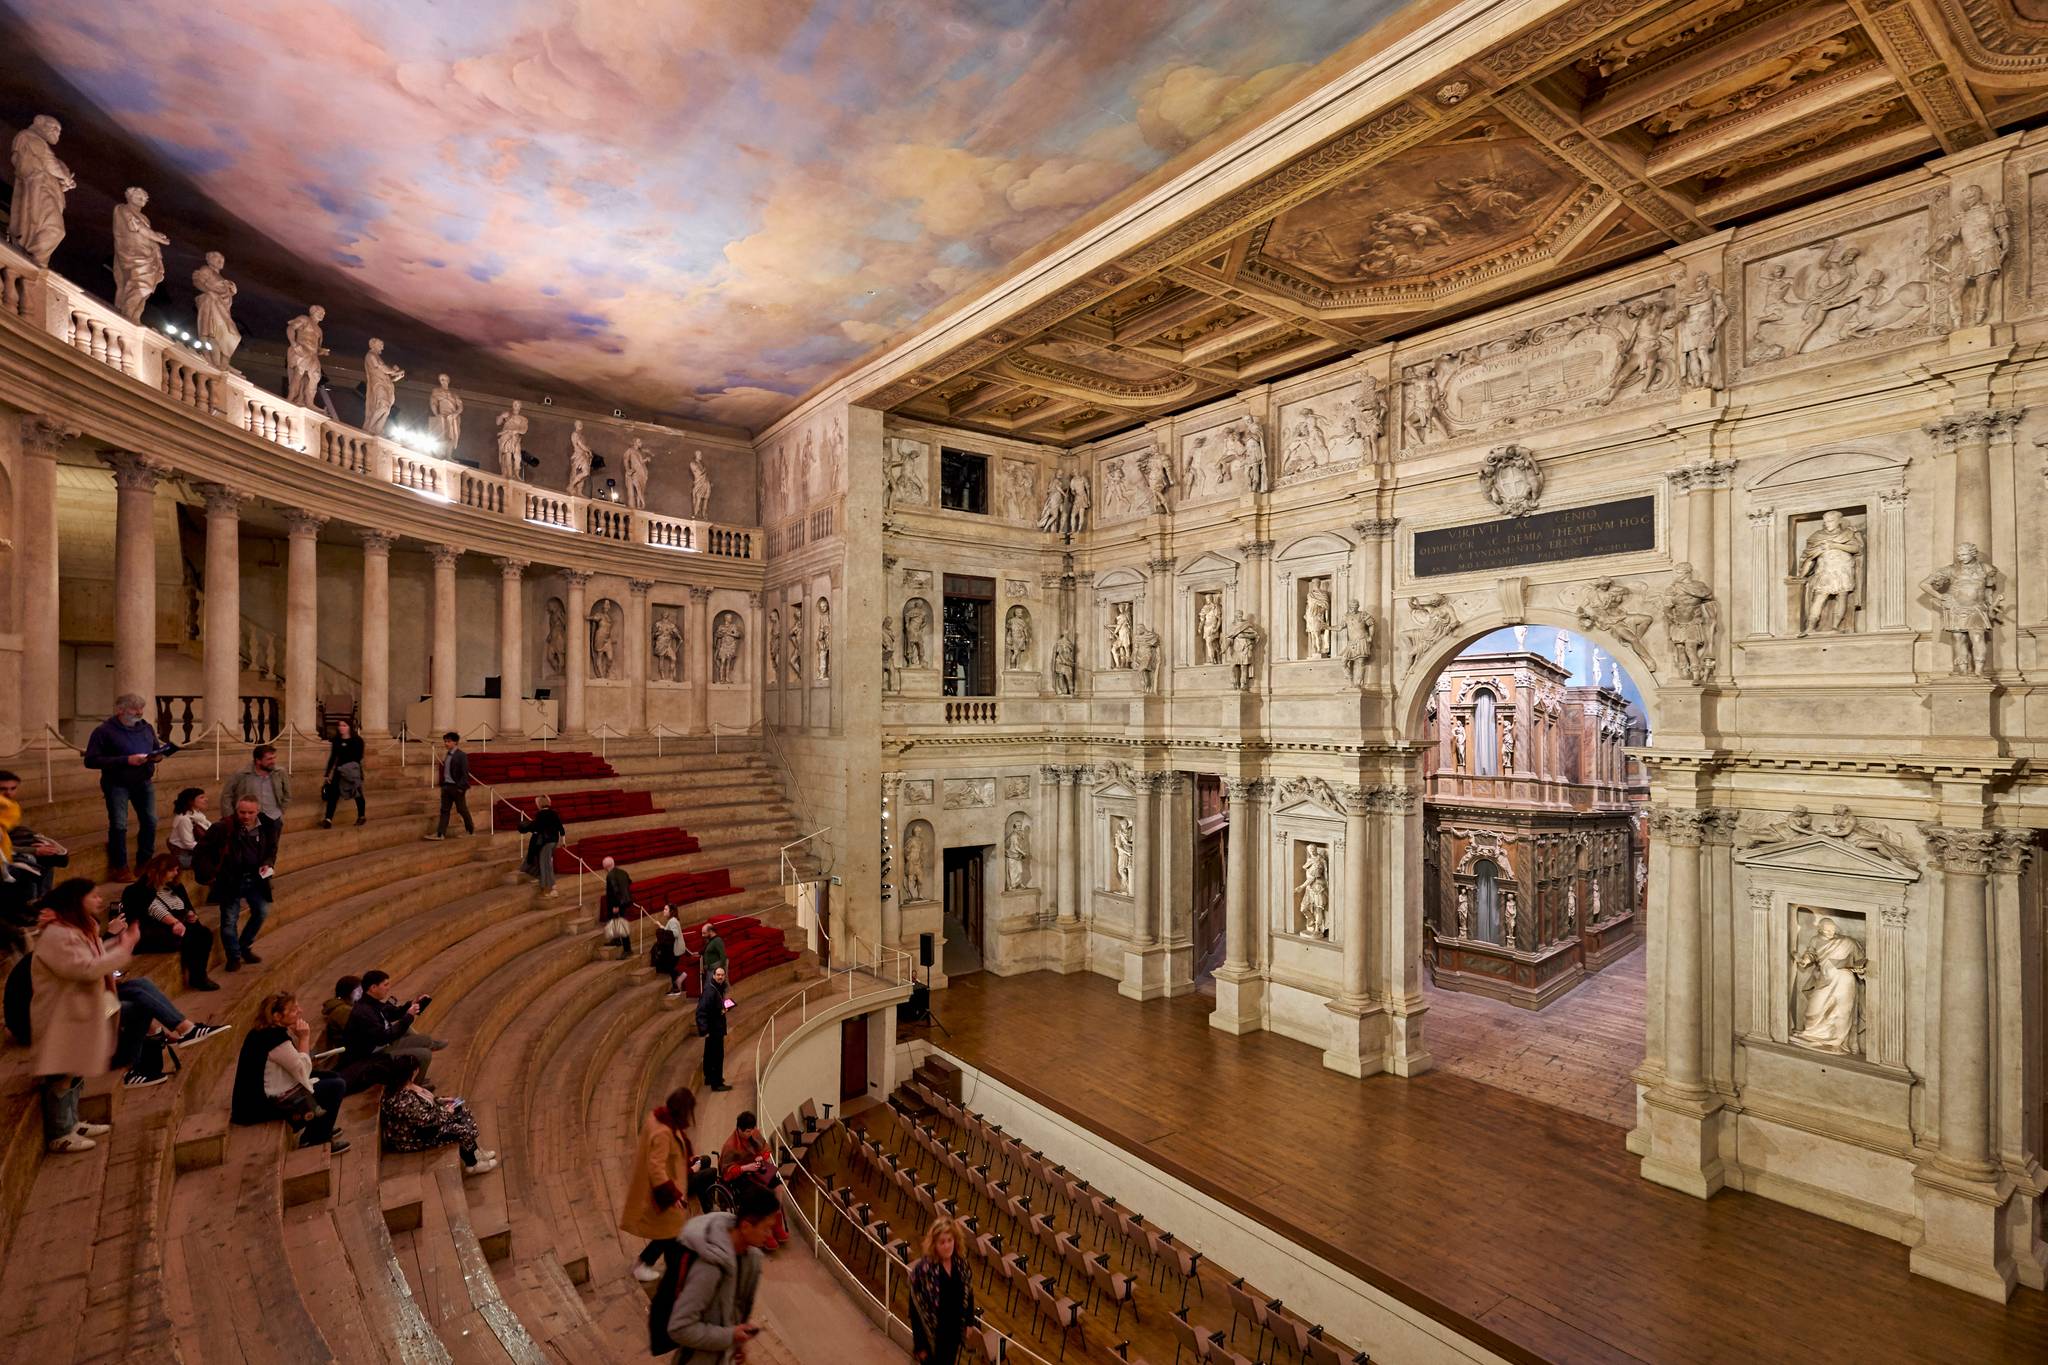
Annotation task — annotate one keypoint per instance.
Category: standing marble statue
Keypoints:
(1464, 912)
(774, 648)
(1831, 967)
(916, 853)
(216, 308)
(1120, 635)
(1966, 591)
(1509, 914)
(1078, 503)
(1315, 619)
(555, 649)
(1691, 617)
(1244, 647)
(1984, 232)
(302, 352)
(700, 486)
(725, 648)
(1017, 856)
(1145, 654)
(444, 416)
(634, 463)
(35, 218)
(1458, 743)
(1209, 628)
(823, 631)
(601, 642)
(888, 654)
(580, 461)
(380, 394)
(917, 623)
(1314, 903)
(512, 427)
(1016, 638)
(1828, 563)
(1121, 838)
(1358, 633)
(1700, 316)
(667, 644)
(1065, 651)
(138, 255)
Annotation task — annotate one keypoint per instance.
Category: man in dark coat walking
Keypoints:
(711, 1023)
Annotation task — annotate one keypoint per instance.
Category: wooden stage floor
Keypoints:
(1524, 1227)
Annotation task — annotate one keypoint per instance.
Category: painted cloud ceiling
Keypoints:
(699, 206)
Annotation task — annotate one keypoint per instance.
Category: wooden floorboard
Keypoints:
(1519, 1224)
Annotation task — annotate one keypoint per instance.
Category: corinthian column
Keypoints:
(697, 656)
(40, 594)
(302, 621)
(375, 710)
(135, 575)
(1967, 439)
(221, 630)
(443, 682)
(1144, 913)
(636, 655)
(1066, 842)
(1682, 831)
(1964, 1099)
(1240, 990)
(576, 661)
(511, 646)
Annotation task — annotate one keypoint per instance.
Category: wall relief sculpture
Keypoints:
(1017, 786)
(967, 793)
(1431, 618)
(666, 641)
(606, 626)
(727, 635)
(917, 791)
(1603, 605)
(1966, 592)
(1332, 431)
(1020, 490)
(1512, 479)
(554, 653)
(917, 629)
(1863, 284)
(1017, 638)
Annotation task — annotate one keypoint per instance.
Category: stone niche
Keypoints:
(1318, 563)
(1786, 507)
(1119, 595)
(1209, 581)
(1305, 826)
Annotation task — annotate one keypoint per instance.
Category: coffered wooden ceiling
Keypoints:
(1612, 129)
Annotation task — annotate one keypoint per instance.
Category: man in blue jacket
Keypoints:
(124, 751)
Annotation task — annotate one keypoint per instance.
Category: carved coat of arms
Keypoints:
(1513, 482)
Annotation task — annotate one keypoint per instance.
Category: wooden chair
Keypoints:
(1199, 1342)
(995, 1347)
(1015, 1270)
(1323, 1351)
(1118, 1288)
(1243, 1305)
(1065, 1312)
(990, 1246)
(1275, 1319)
(1187, 1264)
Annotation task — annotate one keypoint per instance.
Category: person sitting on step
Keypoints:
(274, 1077)
(415, 1119)
(379, 1024)
(156, 901)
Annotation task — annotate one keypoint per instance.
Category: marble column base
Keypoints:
(1069, 943)
(1684, 1141)
(1962, 716)
(1405, 1053)
(1358, 1039)
(1965, 1231)
(1240, 1001)
(1145, 972)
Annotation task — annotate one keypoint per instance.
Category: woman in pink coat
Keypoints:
(74, 1013)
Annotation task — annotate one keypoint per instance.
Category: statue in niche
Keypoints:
(1464, 912)
(667, 644)
(138, 255)
(580, 462)
(775, 647)
(302, 352)
(380, 393)
(1594, 890)
(1458, 743)
(1967, 593)
(1244, 647)
(1358, 635)
(1121, 838)
(1078, 503)
(917, 625)
(700, 486)
(1603, 605)
(1314, 903)
(796, 644)
(1571, 908)
(1828, 562)
(1017, 854)
(821, 622)
(889, 682)
(1209, 629)
(444, 416)
(1507, 743)
(1510, 912)
(604, 623)
(1315, 618)
(1065, 651)
(35, 218)
(1158, 474)
(555, 639)
(512, 427)
(633, 463)
(1984, 232)
(1017, 639)
(1145, 654)
(725, 647)
(1700, 316)
(1691, 617)
(1832, 968)
(1120, 635)
(917, 852)
(216, 309)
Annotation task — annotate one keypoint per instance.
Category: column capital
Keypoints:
(1981, 425)
(1163, 564)
(133, 472)
(1354, 800)
(1375, 528)
(303, 523)
(1685, 827)
(376, 542)
(1237, 789)
(220, 498)
(42, 436)
(1393, 800)
(1720, 825)
(640, 586)
(1974, 852)
(1053, 775)
(444, 555)
(753, 599)
(577, 578)
(699, 595)
(1702, 476)
(1254, 549)
(512, 570)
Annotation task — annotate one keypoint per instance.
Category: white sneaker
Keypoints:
(93, 1130)
(486, 1154)
(72, 1142)
(645, 1273)
(482, 1167)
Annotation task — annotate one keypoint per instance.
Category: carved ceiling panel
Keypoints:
(1601, 133)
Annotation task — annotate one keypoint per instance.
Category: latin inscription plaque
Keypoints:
(1605, 528)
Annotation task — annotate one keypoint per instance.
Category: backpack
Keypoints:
(663, 1303)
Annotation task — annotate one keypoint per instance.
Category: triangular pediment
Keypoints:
(1825, 855)
(1210, 562)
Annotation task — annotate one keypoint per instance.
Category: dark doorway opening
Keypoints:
(970, 646)
(966, 879)
(853, 1058)
(1212, 871)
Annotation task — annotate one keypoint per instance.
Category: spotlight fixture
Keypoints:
(547, 400)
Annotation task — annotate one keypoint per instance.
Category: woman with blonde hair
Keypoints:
(941, 1295)
(274, 1076)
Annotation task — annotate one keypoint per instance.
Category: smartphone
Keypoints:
(423, 1002)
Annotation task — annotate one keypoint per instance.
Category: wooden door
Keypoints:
(853, 1058)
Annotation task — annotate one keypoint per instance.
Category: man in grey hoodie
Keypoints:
(716, 1299)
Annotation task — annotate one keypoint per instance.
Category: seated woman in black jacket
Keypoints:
(275, 1080)
(156, 901)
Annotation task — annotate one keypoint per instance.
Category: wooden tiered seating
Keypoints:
(574, 807)
(500, 767)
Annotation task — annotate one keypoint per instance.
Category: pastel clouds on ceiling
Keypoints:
(702, 206)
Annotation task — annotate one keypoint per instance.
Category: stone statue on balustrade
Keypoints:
(700, 486)
(667, 644)
(580, 461)
(1691, 617)
(1065, 652)
(604, 635)
(1831, 969)
(1358, 636)
(725, 648)
(1966, 591)
(216, 309)
(138, 255)
(555, 640)
(512, 428)
(35, 219)
(633, 462)
(1314, 904)
(303, 347)
(444, 417)
(380, 393)
(1828, 562)
(1244, 648)
(1017, 854)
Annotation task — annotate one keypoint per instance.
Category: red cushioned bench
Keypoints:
(536, 765)
(627, 846)
(574, 807)
(683, 888)
(750, 947)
